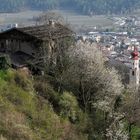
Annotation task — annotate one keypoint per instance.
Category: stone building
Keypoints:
(27, 44)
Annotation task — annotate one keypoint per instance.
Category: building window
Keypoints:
(133, 73)
(33, 54)
(2, 47)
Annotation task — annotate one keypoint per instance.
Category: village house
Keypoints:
(27, 44)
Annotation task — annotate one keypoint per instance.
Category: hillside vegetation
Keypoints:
(82, 6)
(25, 115)
(82, 100)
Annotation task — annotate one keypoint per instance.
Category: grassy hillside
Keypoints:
(26, 115)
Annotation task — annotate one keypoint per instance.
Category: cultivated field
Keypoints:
(76, 20)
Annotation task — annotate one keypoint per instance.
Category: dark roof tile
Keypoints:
(45, 32)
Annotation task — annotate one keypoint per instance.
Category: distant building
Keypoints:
(8, 26)
(134, 71)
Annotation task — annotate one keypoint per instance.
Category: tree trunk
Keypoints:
(129, 130)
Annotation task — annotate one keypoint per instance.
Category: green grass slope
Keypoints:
(26, 115)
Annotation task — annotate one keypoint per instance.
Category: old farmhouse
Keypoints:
(28, 44)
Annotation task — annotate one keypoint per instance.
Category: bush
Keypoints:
(135, 133)
(23, 81)
(45, 90)
(69, 107)
(4, 62)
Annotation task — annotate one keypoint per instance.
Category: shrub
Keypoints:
(45, 90)
(69, 106)
(135, 133)
(23, 81)
(4, 62)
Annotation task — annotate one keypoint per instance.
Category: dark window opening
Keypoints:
(33, 54)
(133, 73)
(2, 47)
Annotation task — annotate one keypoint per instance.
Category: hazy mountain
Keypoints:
(82, 6)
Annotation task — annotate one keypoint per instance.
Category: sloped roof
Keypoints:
(43, 32)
